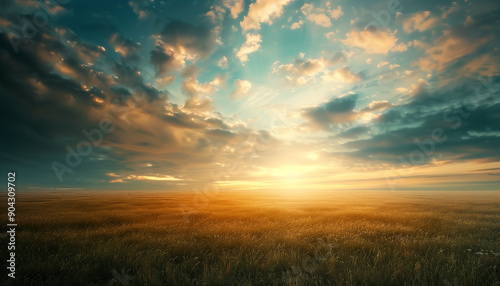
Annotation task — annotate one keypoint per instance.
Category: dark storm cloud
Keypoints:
(218, 133)
(451, 125)
(341, 105)
(164, 61)
(336, 111)
(140, 7)
(199, 40)
(58, 85)
(127, 74)
(125, 47)
(178, 41)
(354, 133)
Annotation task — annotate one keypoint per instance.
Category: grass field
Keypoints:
(349, 238)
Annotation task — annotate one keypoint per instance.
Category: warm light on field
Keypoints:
(259, 237)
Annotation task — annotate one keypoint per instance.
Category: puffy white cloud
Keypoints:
(216, 14)
(307, 8)
(373, 42)
(421, 21)
(319, 15)
(329, 35)
(378, 105)
(319, 19)
(301, 71)
(193, 88)
(199, 104)
(296, 25)
(309, 67)
(394, 66)
(262, 11)
(344, 74)
(402, 90)
(223, 62)
(163, 81)
(241, 87)
(402, 47)
(234, 6)
(251, 45)
(336, 13)
(381, 64)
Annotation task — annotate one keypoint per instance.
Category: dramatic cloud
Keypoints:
(445, 132)
(145, 133)
(178, 101)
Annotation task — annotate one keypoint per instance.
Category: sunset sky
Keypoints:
(266, 94)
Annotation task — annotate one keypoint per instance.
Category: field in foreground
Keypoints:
(356, 238)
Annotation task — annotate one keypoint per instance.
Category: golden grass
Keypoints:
(340, 238)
